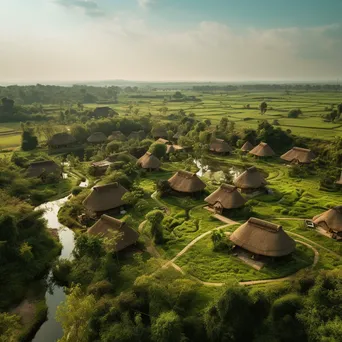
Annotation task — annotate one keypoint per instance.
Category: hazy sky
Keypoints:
(170, 40)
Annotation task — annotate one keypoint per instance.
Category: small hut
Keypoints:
(103, 112)
(330, 220)
(225, 197)
(220, 146)
(59, 140)
(159, 132)
(339, 182)
(263, 238)
(247, 146)
(149, 162)
(137, 135)
(163, 141)
(101, 167)
(298, 155)
(104, 198)
(117, 135)
(263, 150)
(41, 169)
(97, 138)
(186, 182)
(250, 180)
(108, 226)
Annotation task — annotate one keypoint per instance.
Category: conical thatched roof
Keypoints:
(97, 138)
(184, 181)
(159, 132)
(162, 141)
(228, 196)
(263, 238)
(247, 146)
(332, 218)
(61, 139)
(170, 149)
(137, 135)
(262, 150)
(106, 226)
(105, 197)
(149, 161)
(250, 179)
(37, 169)
(298, 155)
(219, 146)
(340, 180)
(117, 135)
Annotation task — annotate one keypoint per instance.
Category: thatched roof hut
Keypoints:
(331, 219)
(117, 135)
(43, 168)
(100, 167)
(61, 139)
(340, 180)
(105, 197)
(159, 132)
(219, 146)
(263, 238)
(149, 161)
(97, 138)
(250, 179)
(298, 155)
(170, 149)
(137, 135)
(184, 181)
(106, 226)
(226, 197)
(103, 112)
(247, 146)
(262, 150)
(162, 141)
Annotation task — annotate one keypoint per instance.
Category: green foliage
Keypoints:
(113, 146)
(263, 107)
(9, 326)
(158, 150)
(28, 140)
(167, 328)
(294, 113)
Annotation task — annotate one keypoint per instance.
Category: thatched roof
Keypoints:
(105, 197)
(262, 150)
(228, 196)
(162, 141)
(332, 218)
(170, 149)
(159, 132)
(61, 139)
(117, 135)
(340, 180)
(137, 135)
(97, 137)
(220, 146)
(250, 179)
(101, 164)
(106, 226)
(184, 181)
(247, 146)
(37, 169)
(178, 148)
(263, 238)
(103, 112)
(298, 155)
(149, 161)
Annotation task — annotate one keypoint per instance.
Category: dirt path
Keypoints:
(150, 248)
(161, 204)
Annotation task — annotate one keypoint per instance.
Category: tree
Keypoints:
(178, 95)
(28, 140)
(223, 124)
(113, 146)
(155, 218)
(79, 132)
(207, 122)
(9, 327)
(294, 113)
(75, 314)
(339, 108)
(263, 107)
(217, 237)
(158, 150)
(167, 328)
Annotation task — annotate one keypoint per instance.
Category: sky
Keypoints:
(170, 40)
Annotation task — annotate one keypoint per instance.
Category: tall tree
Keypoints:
(263, 107)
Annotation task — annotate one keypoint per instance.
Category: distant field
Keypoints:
(232, 105)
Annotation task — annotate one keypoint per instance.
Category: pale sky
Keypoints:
(170, 40)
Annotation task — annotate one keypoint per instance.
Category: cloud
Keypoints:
(145, 3)
(89, 7)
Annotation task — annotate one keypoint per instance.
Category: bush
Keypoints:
(294, 113)
(113, 146)
(100, 288)
(289, 304)
(75, 191)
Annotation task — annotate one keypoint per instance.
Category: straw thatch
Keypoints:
(330, 219)
(43, 168)
(247, 146)
(227, 197)
(170, 149)
(184, 181)
(117, 135)
(97, 138)
(105, 197)
(162, 141)
(159, 132)
(250, 179)
(137, 135)
(61, 139)
(101, 164)
(262, 150)
(149, 161)
(340, 180)
(219, 146)
(106, 226)
(178, 148)
(298, 155)
(263, 238)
